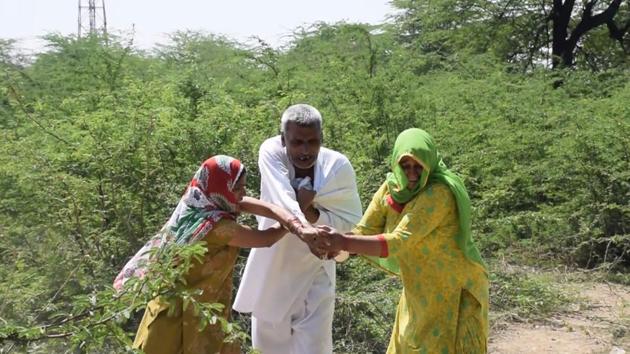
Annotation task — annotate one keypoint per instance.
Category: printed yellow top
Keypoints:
(443, 307)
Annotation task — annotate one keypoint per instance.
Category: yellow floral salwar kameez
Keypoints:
(179, 333)
(443, 307)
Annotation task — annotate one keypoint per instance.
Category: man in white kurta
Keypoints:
(289, 291)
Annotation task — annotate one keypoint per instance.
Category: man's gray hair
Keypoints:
(301, 114)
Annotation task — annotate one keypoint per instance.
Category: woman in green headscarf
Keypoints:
(419, 222)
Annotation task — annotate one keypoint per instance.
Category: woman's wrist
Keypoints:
(345, 243)
(293, 225)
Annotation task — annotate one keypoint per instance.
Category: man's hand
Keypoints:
(311, 214)
(308, 233)
(305, 198)
(330, 240)
(310, 236)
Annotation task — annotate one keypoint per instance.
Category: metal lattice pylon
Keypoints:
(93, 15)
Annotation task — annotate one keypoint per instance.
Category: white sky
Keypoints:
(271, 20)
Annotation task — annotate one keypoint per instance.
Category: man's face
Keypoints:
(303, 143)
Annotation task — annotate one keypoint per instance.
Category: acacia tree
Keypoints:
(567, 33)
(529, 32)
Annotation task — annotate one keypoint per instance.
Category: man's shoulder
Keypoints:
(334, 158)
(335, 162)
(272, 149)
(273, 143)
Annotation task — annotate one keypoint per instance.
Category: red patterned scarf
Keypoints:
(207, 199)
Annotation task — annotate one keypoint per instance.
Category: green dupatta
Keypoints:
(419, 145)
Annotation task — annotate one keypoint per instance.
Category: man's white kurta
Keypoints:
(275, 277)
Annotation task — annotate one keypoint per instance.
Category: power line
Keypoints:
(93, 16)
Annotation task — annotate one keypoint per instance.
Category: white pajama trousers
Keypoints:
(307, 329)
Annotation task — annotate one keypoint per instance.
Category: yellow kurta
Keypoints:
(159, 333)
(443, 307)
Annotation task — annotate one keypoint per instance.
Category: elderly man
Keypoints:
(290, 291)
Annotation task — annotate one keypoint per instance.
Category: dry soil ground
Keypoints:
(598, 322)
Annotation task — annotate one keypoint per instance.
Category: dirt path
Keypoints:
(598, 323)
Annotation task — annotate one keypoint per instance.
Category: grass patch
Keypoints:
(523, 294)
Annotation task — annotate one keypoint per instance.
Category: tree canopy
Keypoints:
(99, 139)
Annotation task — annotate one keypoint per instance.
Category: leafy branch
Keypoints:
(110, 310)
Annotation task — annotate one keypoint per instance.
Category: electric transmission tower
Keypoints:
(93, 15)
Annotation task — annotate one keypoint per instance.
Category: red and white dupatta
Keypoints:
(207, 199)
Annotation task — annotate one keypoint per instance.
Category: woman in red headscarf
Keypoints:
(206, 212)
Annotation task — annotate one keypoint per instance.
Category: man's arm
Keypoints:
(275, 186)
(305, 199)
(340, 207)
